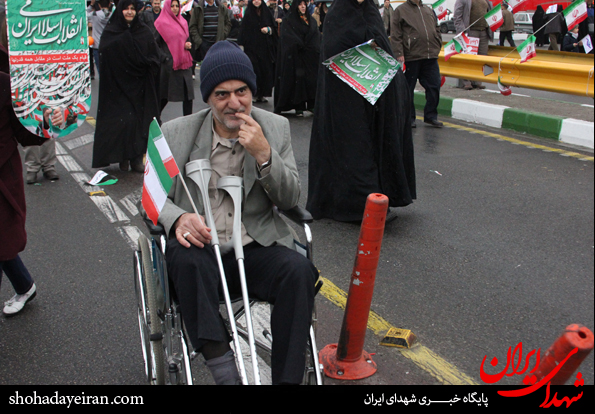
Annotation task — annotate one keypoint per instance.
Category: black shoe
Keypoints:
(137, 164)
(413, 124)
(31, 177)
(434, 122)
(51, 175)
(391, 215)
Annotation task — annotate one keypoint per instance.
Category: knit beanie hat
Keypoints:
(225, 61)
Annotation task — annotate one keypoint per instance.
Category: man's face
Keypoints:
(156, 6)
(226, 100)
(386, 3)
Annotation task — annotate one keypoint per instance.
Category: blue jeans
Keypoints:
(17, 274)
(96, 58)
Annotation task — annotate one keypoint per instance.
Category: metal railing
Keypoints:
(562, 72)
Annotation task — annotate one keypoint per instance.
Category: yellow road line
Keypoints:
(563, 152)
(91, 120)
(423, 357)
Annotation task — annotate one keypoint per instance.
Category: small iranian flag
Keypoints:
(457, 45)
(159, 171)
(186, 6)
(515, 4)
(494, 18)
(575, 13)
(527, 49)
(504, 90)
(440, 9)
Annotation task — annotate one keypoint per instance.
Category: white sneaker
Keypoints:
(17, 302)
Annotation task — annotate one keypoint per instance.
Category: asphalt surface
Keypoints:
(496, 250)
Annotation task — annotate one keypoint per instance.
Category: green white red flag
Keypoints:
(440, 9)
(457, 45)
(494, 17)
(515, 4)
(575, 13)
(504, 90)
(160, 169)
(527, 49)
(186, 6)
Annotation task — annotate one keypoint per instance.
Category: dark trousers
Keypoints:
(274, 274)
(427, 72)
(506, 36)
(18, 275)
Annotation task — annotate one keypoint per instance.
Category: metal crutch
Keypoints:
(233, 186)
(200, 172)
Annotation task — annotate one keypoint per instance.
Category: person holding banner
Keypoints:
(128, 99)
(571, 43)
(555, 27)
(357, 148)
(255, 144)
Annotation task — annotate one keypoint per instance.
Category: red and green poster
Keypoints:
(366, 68)
(49, 62)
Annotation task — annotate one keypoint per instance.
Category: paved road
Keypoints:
(496, 250)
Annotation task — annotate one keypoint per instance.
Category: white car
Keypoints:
(523, 22)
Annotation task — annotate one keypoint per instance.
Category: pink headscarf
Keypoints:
(174, 30)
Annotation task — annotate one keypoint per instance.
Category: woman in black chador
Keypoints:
(357, 148)
(297, 61)
(258, 35)
(129, 68)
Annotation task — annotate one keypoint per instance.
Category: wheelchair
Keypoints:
(166, 349)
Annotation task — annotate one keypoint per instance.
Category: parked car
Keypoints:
(447, 26)
(523, 22)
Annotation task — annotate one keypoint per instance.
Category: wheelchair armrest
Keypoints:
(298, 215)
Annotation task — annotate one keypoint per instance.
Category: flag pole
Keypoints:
(188, 193)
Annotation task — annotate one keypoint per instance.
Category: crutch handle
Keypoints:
(200, 172)
(233, 186)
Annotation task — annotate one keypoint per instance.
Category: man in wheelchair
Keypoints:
(255, 144)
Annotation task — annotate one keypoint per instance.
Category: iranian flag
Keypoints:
(504, 90)
(527, 49)
(575, 13)
(494, 17)
(186, 6)
(457, 45)
(515, 4)
(440, 9)
(159, 171)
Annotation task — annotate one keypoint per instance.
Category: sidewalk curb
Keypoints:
(568, 130)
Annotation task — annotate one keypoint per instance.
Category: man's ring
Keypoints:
(185, 234)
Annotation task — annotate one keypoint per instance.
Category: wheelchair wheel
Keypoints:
(148, 320)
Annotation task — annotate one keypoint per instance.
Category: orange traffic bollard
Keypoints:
(347, 359)
(575, 344)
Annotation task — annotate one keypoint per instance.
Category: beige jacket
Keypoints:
(190, 138)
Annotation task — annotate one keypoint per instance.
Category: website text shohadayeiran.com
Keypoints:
(69, 400)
